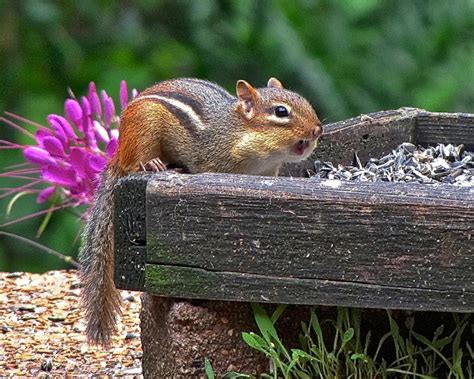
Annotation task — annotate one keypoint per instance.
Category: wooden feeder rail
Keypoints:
(302, 241)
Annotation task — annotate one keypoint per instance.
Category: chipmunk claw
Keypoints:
(153, 165)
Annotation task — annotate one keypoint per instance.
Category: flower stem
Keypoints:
(46, 249)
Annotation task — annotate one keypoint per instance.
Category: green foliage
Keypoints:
(208, 369)
(348, 57)
(349, 354)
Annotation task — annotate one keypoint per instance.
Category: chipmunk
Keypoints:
(199, 126)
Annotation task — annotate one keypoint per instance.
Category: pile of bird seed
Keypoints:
(408, 163)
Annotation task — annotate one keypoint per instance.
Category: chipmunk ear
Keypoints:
(274, 83)
(248, 98)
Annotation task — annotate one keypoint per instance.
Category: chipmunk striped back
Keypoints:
(196, 100)
(176, 110)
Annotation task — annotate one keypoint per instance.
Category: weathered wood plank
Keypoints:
(130, 231)
(384, 234)
(190, 282)
(455, 128)
(371, 135)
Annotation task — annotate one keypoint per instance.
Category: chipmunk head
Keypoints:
(283, 125)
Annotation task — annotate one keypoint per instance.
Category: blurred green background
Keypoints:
(347, 57)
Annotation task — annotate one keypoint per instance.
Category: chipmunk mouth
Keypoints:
(300, 147)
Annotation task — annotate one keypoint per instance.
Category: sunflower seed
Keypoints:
(407, 163)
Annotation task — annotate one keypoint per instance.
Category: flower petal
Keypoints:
(97, 163)
(38, 156)
(111, 147)
(73, 111)
(64, 176)
(54, 146)
(58, 130)
(41, 134)
(77, 158)
(86, 164)
(86, 106)
(86, 112)
(45, 194)
(79, 188)
(94, 100)
(57, 122)
(123, 94)
(109, 108)
(90, 137)
(114, 133)
(100, 132)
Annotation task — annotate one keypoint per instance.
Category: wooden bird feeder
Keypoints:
(300, 241)
(291, 240)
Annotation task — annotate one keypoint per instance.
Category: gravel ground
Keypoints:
(42, 331)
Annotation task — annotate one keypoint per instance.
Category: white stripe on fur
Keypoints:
(178, 104)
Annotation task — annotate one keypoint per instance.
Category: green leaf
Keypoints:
(411, 373)
(253, 341)
(457, 338)
(297, 353)
(236, 375)
(348, 335)
(435, 346)
(359, 356)
(264, 323)
(278, 312)
(302, 375)
(457, 361)
(470, 349)
(439, 330)
(208, 369)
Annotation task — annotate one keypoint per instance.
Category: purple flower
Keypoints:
(101, 133)
(94, 99)
(123, 94)
(96, 163)
(38, 156)
(73, 111)
(61, 126)
(86, 107)
(41, 134)
(69, 153)
(54, 146)
(109, 108)
(45, 194)
(111, 147)
(60, 175)
(77, 159)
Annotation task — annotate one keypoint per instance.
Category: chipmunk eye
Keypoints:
(281, 111)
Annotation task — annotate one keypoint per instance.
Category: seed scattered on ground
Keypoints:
(42, 331)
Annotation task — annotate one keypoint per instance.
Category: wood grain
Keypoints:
(371, 136)
(411, 236)
(236, 237)
(455, 128)
(130, 232)
(190, 282)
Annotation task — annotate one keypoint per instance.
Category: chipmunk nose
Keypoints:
(316, 131)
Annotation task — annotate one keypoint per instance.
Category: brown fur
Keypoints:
(239, 135)
(99, 297)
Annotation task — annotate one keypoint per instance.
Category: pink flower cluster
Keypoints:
(72, 150)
